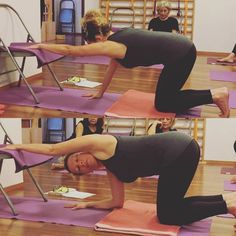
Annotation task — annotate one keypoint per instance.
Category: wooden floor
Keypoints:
(143, 79)
(207, 180)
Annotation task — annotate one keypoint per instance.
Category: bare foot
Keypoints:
(231, 207)
(229, 197)
(233, 180)
(220, 97)
(226, 60)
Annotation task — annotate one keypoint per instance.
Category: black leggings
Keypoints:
(172, 207)
(169, 96)
(234, 50)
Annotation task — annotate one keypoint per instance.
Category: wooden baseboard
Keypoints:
(14, 187)
(220, 163)
(212, 54)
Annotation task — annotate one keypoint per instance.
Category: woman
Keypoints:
(164, 22)
(135, 47)
(84, 127)
(161, 125)
(230, 58)
(88, 126)
(172, 155)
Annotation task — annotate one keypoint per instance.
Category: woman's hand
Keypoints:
(9, 147)
(77, 206)
(94, 95)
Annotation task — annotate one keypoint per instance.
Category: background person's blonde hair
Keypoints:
(94, 23)
(165, 4)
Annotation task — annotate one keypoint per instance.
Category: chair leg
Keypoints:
(37, 185)
(55, 77)
(8, 201)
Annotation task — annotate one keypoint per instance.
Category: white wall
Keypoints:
(214, 27)
(91, 4)
(8, 176)
(219, 139)
(12, 31)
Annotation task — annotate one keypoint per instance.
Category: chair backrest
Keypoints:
(67, 4)
(56, 124)
(9, 8)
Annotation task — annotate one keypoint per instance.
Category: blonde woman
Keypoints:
(161, 125)
(164, 22)
(135, 47)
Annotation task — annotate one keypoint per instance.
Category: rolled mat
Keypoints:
(229, 186)
(53, 98)
(228, 171)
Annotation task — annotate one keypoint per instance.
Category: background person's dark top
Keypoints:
(156, 24)
(140, 156)
(146, 48)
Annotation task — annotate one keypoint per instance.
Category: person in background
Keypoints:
(230, 58)
(84, 127)
(161, 125)
(164, 22)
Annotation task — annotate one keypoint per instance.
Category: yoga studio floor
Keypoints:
(142, 79)
(208, 180)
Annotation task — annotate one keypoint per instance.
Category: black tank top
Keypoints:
(146, 48)
(140, 156)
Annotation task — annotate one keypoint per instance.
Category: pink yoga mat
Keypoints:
(214, 61)
(229, 76)
(228, 171)
(229, 186)
(52, 98)
(99, 60)
(44, 57)
(53, 211)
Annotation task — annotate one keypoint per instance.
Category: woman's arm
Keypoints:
(79, 130)
(106, 81)
(105, 48)
(89, 143)
(116, 201)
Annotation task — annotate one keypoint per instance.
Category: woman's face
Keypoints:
(166, 122)
(82, 163)
(93, 121)
(163, 13)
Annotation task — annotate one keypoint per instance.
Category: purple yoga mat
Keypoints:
(214, 61)
(229, 186)
(232, 99)
(228, 171)
(191, 113)
(53, 98)
(229, 76)
(53, 211)
(199, 228)
(99, 60)
(24, 159)
(44, 57)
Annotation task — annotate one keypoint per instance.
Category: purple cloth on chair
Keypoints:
(229, 76)
(228, 171)
(214, 61)
(199, 228)
(229, 186)
(99, 60)
(24, 159)
(53, 211)
(44, 57)
(53, 98)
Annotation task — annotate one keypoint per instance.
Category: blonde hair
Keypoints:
(94, 23)
(165, 4)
